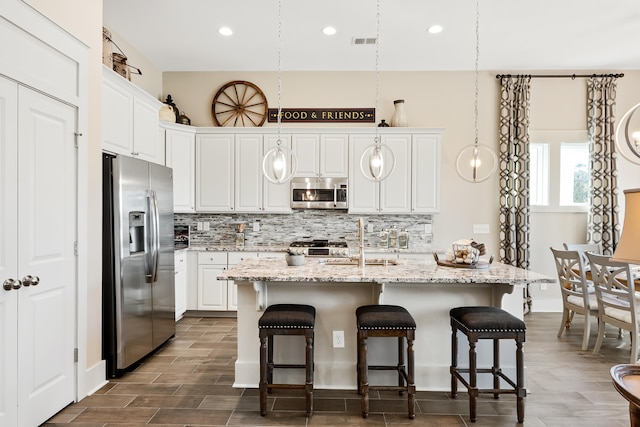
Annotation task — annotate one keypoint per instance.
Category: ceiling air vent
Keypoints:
(363, 40)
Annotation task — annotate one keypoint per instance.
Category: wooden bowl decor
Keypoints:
(239, 103)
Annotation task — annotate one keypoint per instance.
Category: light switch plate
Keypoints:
(480, 228)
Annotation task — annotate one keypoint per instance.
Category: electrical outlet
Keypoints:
(256, 225)
(428, 228)
(205, 226)
(369, 228)
(338, 339)
(480, 228)
(543, 286)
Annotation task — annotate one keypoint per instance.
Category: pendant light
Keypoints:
(377, 161)
(628, 139)
(476, 163)
(279, 164)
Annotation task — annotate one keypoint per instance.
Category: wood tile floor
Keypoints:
(189, 383)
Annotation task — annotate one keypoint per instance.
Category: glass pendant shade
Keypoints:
(279, 165)
(476, 163)
(377, 162)
(628, 135)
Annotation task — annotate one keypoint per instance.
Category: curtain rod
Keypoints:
(559, 76)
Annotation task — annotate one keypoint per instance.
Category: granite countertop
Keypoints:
(406, 271)
(282, 247)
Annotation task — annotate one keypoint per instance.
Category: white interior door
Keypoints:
(47, 232)
(8, 256)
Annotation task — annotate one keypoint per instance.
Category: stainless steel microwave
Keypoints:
(319, 193)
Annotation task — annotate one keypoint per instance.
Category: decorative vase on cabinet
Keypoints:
(399, 118)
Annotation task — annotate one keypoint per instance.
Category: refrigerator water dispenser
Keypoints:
(136, 232)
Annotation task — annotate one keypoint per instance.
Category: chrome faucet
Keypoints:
(361, 259)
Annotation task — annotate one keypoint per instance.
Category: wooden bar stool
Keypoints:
(285, 319)
(487, 323)
(386, 321)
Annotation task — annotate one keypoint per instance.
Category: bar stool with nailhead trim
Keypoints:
(386, 321)
(285, 319)
(487, 323)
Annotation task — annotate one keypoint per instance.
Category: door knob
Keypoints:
(10, 284)
(30, 280)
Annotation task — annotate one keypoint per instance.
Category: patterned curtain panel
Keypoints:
(603, 225)
(514, 170)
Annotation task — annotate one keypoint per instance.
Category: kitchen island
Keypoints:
(428, 291)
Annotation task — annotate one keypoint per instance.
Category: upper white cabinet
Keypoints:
(412, 187)
(229, 174)
(425, 173)
(180, 144)
(275, 197)
(130, 119)
(321, 155)
(215, 154)
(248, 173)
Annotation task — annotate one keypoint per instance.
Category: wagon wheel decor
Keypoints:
(239, 103)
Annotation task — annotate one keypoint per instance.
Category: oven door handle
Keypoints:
(335, 195)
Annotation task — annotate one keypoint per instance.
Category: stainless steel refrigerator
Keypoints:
(138, 272)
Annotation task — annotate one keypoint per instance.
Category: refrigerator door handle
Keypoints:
(148, 239)
(155, 251)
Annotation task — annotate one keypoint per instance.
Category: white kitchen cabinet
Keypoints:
(275, 197)
(395, 190)
(215, 165)
(181, 157)
(425, 173)
(248, 173)
(229, 175)
(212, 293)
(130, 119)
(180, 266)
(412, 187)
(393, 194)
(321, 155)
(38, 229)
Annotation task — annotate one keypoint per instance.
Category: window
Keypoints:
(559, 166)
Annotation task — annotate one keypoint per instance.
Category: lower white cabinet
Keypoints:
(181, 283)
(213, 294)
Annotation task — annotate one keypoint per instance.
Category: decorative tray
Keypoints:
(480, 265)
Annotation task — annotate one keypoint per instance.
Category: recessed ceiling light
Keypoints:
(329, 31)
(435, 29)
(225, 31)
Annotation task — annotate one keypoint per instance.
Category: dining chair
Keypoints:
(583, 248)
(577, 296)
(617, 299)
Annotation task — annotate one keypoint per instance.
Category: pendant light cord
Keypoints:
(476, 69)
(377, 138)
(279, 141)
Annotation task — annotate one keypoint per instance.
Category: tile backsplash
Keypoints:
(282, 229)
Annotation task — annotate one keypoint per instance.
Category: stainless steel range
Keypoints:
(320, 248)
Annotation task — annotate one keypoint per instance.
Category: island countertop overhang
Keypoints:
(407, 271)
